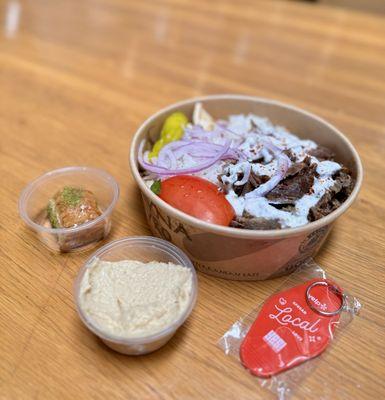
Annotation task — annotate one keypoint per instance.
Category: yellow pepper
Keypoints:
(172, 130)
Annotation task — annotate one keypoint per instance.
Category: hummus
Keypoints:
(134, 299)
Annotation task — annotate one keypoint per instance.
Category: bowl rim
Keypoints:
(153, 242)
(237, 232)
(28, 190)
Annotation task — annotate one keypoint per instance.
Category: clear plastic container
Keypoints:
(34, 199)
(145, 249)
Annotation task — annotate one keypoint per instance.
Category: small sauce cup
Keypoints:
(145, 249)
(34, 199)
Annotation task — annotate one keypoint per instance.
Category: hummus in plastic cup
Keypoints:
(144, 249)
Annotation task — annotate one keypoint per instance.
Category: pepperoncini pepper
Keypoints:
(172, 130)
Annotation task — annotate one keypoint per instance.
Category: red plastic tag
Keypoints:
(292, 327)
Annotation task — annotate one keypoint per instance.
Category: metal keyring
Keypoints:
(335, 290)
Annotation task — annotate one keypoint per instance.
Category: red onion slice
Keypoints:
(195, 149)
(174, 150)
(205, 147)
(163, 156)
(171, 150)
(166, 171)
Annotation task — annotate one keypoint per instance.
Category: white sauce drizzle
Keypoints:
(253, 150)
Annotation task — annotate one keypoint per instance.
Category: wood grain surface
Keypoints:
(77, 78)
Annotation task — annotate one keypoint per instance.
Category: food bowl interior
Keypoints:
(298, 122)
(40, 191)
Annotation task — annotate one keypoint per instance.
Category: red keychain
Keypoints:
(293, 326)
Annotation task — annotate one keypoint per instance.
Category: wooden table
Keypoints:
(77, 78)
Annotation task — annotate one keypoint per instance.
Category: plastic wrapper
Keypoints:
(282, 340)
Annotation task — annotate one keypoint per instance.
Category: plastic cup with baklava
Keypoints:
(70, 208)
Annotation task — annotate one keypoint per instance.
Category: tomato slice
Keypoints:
(197, 197)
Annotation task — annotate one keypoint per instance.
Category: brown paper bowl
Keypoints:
(233, 253)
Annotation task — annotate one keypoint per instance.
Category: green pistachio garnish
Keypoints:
(71, 196)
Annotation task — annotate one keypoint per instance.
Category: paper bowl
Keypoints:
(233, 253)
